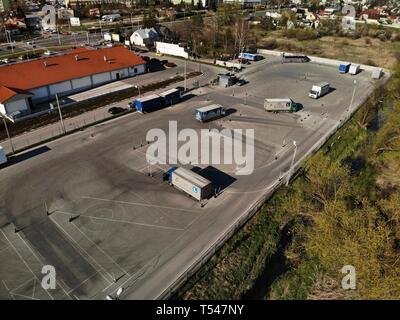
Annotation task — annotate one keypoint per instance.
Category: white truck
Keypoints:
(3, 157)
(319, 90)
(190, 182)
(354, 69)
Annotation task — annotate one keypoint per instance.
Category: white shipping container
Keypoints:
(3, 158)
(191, 183)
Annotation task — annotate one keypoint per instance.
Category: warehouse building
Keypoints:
(25, 84)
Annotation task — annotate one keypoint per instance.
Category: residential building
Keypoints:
(144, 37)
(22, 85)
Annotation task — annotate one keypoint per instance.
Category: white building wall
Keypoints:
(137, 40)
(101, 78)
(137, 70)
(171, 49)
(61, 87)
(123, 73)
(18, 105)
(81, 83)
(39, 93)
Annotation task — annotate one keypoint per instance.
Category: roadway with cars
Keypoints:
(111, 225)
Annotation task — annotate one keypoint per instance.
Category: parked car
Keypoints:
(116, 110)
(49, 53)
(146, 58)
(170, 65)
(241, 82)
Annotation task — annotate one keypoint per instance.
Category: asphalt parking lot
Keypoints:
(87, 205)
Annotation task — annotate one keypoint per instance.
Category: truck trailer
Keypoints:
(344, 67)
(319, 90)
(282, 105)
(190, 182)
(210, 112)
(150, 103)
(171, 96)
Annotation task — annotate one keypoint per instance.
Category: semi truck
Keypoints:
(282, 105)
(354, 69)
(319, 90)
(171, 96)
(344, 67)
(190, 182)
(3, 157)
(149, 103)
(210, 112)
(157, 101)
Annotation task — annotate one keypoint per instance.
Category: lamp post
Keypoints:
(8, 133)
(60, 113)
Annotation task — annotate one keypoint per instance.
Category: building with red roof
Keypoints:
(24, 84)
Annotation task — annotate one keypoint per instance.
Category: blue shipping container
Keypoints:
(344, 67)
(149, 103)
(171, 96)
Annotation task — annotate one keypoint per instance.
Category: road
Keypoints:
(112, 225)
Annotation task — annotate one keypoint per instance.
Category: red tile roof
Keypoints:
(8, 93)
(37, 73)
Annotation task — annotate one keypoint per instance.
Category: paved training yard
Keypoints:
(112, 225)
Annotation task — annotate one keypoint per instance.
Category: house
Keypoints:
(372, 14)
(144, 37)
(25, 84)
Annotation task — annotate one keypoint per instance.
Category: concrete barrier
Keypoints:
(324, 61)
(228, 64)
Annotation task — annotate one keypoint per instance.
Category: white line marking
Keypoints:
(125, 221)
(70, 291)
(105, 253)
(24, 296)
(23, 260)
(5, 285)
(84, 251)
(38, 259)
(142, 204)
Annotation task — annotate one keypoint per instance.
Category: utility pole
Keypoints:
(185, 76)
(8, 134)
(292, 163)
(60, 113)
(87, 37)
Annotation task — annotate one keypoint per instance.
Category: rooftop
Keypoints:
(78, 63)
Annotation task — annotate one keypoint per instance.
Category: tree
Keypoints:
(268, 23)
(149, 19)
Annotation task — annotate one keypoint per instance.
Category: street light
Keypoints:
(8, 133)
(137, 87)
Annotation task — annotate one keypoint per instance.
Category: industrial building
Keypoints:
(22, 85)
